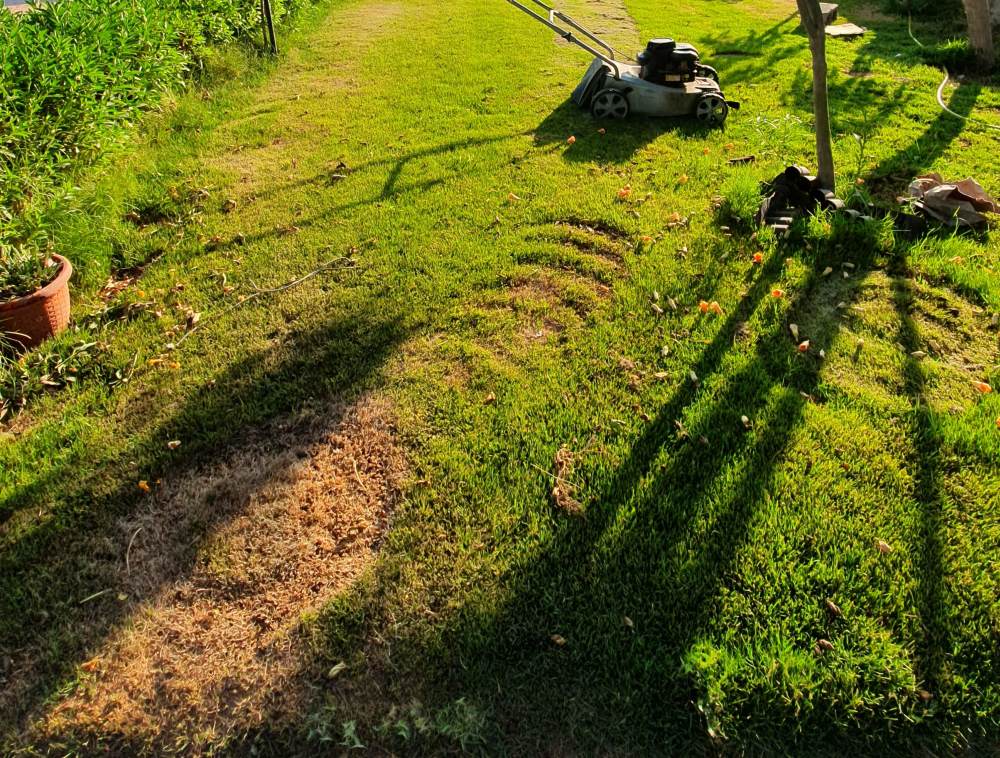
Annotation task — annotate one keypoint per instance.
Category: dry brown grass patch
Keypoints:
(608, 19)
(228, 557)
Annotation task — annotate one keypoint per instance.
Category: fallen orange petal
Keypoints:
(983, 387)
(682, 179)
(571, 140)
(703, 306)
(715, 308)
(144, 485)
(777, 293)
(804, 346)
(758, 258)
(625, 191)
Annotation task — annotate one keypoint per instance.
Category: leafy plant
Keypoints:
(25, 260)
(741, 199)
(955, 55)
(23, 270)
(73, 76)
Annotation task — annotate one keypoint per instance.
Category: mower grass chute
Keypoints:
(666, 79)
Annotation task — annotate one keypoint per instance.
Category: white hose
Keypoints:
(941, 102)
(940, 92)
(919, 43)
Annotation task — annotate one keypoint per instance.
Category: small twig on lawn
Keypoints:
(341, 262)
(128, 551)
(95, 596)
(358, 476)
(552, 476)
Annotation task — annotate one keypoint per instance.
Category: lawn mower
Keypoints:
(666, 79)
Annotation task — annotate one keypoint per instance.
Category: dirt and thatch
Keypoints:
(227, 558)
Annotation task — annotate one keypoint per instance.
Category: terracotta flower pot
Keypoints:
(29, 320)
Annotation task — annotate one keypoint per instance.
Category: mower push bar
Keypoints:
(553, 13)
(550, 21)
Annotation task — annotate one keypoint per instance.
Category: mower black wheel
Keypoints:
(609, 103)
(712, 109)
(707, 72)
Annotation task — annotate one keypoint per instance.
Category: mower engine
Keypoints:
(668, 63)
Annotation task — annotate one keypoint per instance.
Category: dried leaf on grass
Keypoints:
(824, 646)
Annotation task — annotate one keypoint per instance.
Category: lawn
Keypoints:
(491, 481)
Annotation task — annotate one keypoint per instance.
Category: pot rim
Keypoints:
(44, 293)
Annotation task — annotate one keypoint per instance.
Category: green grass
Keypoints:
(692, 593)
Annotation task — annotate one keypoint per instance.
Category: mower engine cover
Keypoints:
(665, 62)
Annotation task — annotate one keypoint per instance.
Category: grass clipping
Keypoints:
(229, 556)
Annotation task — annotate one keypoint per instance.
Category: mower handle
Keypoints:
(554, 13)
(550, 21)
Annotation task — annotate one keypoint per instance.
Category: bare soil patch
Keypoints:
(228, 557)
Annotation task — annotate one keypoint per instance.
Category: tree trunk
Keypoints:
(815, 26)
(977, 13)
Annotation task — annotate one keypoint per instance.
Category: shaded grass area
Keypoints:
(502, 296)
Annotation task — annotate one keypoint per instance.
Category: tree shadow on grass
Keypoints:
(894, 173)
(621, 143)
(753, 56)
(396, 165)
(934, 647)
(657, 544)
(858, 104)
(60, 578)
(889, 40)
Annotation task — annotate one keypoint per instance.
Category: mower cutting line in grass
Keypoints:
(667, 79)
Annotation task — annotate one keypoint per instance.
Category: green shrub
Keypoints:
(923, 8)
(954, 55)
(75, 74)
(70, 74)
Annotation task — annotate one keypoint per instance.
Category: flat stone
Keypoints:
(845, 31)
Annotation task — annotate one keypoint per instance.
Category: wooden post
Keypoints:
(815, 26)
(265, 15)
(979, 18)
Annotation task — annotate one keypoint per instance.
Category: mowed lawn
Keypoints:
(592, 518)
